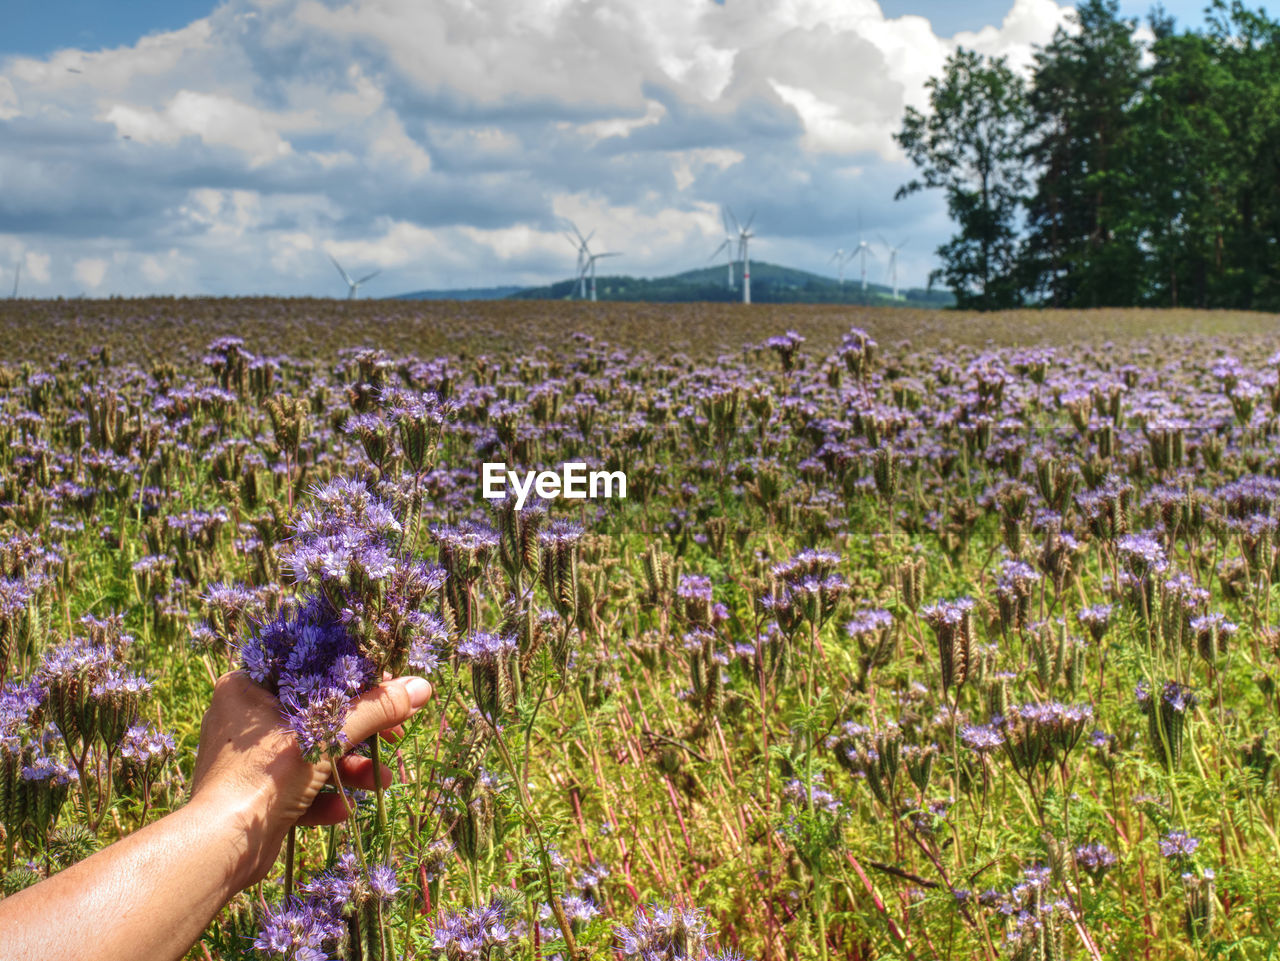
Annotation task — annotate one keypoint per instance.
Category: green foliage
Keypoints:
(770, 283)
(970, 145)
(1123, 173)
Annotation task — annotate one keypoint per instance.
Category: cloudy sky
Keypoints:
(187, 147)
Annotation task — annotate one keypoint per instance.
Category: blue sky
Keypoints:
(950, 16)
(39, 28)
(190, 148)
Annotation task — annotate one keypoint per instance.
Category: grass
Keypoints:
(166, 329)
(811, 784)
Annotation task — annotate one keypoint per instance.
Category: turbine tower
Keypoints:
(744, 236)
(353, 285)
(17, 272)
(584, 255)
(892, 270)
(590, 267)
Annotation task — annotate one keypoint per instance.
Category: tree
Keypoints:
(1185, 173)
(1082, 247)
(1246, 44)
(971, 145)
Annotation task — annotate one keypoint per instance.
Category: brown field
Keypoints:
(157, 329)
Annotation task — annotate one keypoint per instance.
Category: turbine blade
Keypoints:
(750, 220)
(368, 277)
(345, 275)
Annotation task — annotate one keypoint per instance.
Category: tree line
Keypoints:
(1118, 173)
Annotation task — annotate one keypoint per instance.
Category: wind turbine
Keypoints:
(892, 269)
(584, 255)
(590, 267)
(840, 258)
(354, 285)
(744, 235)
(17, 272)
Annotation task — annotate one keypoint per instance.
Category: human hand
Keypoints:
(249, 766)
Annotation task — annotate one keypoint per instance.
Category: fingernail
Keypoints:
(418, 690)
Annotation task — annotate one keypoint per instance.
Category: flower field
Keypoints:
(914, 636)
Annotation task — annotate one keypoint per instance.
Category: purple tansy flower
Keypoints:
(947, 613)
(298, 930)
(981, 738)
(1142, 553)
(484, 648)
(1178, 844)
(559, 534)
(351, 673)
(579, 909)
(1179, 697)
(1095, 859)
(694, 587)
(808, 563)
(465, 548)
(1214, 622)
(473, 933)
(318, 721)
(50, 769)
(432, 636)
(121, 684)
(143, 744)
(664, 934)
(382, 882)
(1096, 619)
(18, 706)
(868, 622)
(336, 888)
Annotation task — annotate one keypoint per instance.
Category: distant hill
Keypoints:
(770, 284)
(468, 293)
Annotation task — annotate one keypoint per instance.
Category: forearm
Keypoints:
(149, 895)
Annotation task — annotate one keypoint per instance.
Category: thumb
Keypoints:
(385, 706)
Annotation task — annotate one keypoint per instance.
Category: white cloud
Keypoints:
(391, 143)
(292, 251)
(687, 164)
(826, 126)
(217, 120)
(165, 268)
(36, 266)
(624, 126)
(1028, 23)
(8, 99)
(448, 138)
(91, 271)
